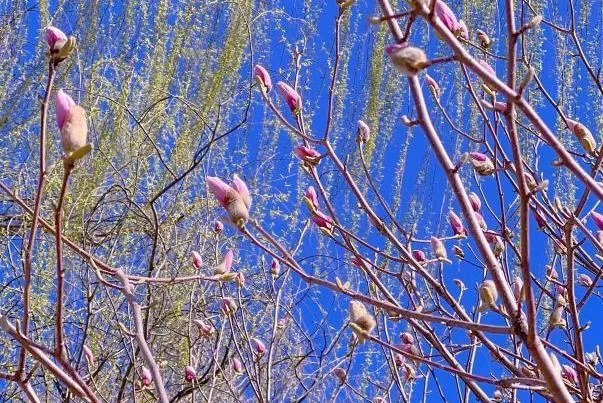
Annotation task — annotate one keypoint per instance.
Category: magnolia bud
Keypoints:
(240, 280)
(307, 155)
(341, 374)
(597, 219)
(257, 345)
(359, 317)
(146, 377)
(88, 354)
(364, 132)
(419, 255)
(458, 252)
(476, 203)
(482, 163)
(518, 290)
(228, 305)
(408, 60)
(189, 373)
(237, 367)
(290, 96)
(263, 78)
(218, 227)
(456, 223)
(488, 295)
(197, 260)
(226, 264)
(407, 338)
(584, 280)
(275, 267)
(483, 39)
(439, 250)
(556, 318)
(205, 329)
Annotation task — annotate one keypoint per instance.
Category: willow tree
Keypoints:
(340, 200)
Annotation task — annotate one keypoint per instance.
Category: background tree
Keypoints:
(441, 248)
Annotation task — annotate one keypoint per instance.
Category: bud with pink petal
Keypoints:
(218, 227)
(584, 280)
(456, 223)
(307, 154)
(476, 203)
(71, 119)
(597, 219)
(446, 15)
(419, 255)
(235, 199)
(483, 39)
(407, 338)
(439, 250)
(311, 199)
(341, 374)
(399, 360)
(263, 78)
(197, 260)
(462, 31)
(145, 376)
(518, 289)
(257, 346)
(228, 305)
(569, 373)
(205, 329)
(237, 367)
(290, 96)
(433, 85)
(59, 44)
(275, 267)
(226, 264)
(323, 221)
(482, 163)
(458, 252)
(189, 373)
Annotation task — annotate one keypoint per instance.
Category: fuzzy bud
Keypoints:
(488, 294)
(408, 60)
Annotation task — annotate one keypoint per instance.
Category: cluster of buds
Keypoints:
(584, 136)
(59, 44)
(488, 294)
(361, 321)
(235, 198)
(407, 59)
(323, 221)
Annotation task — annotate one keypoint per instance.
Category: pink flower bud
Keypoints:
(218, 227)
(307, 154)
(312, 197)
(341, 374)
(560, 289)
(584, 280)
(275, 267)
(439, 250)
(290, 96)
(407, 338)
(482, 163)
(433, 85)
(205, 329)
(476, 203)
(483, 39)
(88, 354)
(569, 373)
(257, 345)
(399, 360)
(446, 15)
(55, 38)
(419, 255)
(323, 221)
(458, 252)
(235, 199)
(71, 119)
(263, 78)
(364, 132)
(487, 67)
(228, 305)
(597, 219)
(146, 377)
(189, 373)
(197, 260)
(240, 280)
(226, 264)
(237, 367)
(456, 223)
(462, 31)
